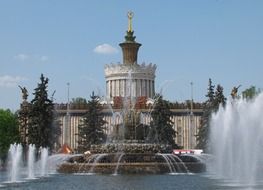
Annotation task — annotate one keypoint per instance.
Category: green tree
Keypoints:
(202, 136)
(43, 130)
(219, 99)
(161, 126)
(91, 130)
(9, 132)
(250, 93)
(211, 105)
(79, 103)
(210, 93)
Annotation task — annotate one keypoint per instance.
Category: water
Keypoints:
(237, 139)
(118, 163)
(97, 159)
(126, 182)
(20, 170)
(43, 161)
(31, 161)
(121, 182)
(169, 163)
(15, 161)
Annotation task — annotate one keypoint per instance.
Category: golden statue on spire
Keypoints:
(130, 16)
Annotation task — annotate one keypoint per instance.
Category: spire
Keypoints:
(130, 47)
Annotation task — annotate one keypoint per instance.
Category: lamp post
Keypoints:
(191, 119)
(67, 126)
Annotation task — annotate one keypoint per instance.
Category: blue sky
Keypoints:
(189, 40)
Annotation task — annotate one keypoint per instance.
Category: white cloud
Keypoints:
(105, 49)
(43, 58)
(10, 81)
(21, 57)
(32, 58)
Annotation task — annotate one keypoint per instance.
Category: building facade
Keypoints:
(184, 123)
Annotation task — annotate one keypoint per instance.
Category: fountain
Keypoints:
(31, 161)
(19, 169)
(236, 141)
(128, 149)
(15, 157)
(43, 161)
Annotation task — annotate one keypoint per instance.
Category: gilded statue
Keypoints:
(130, 15)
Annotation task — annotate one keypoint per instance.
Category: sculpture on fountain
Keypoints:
(234, 92)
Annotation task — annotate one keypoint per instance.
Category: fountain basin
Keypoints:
(131, 164)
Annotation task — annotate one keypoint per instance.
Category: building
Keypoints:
(130, 79)
(133, 85)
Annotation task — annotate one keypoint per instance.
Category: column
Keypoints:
(110, 88)
(113, 88)
(139, 86)
(143, 88)
(150, 89)
(122, 87)
(117, 88)
(153, 89)
(133, 88)
(146, 88)
(107, 89)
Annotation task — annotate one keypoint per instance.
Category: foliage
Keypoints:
(210, 93)
(219, 98)
(214, 100)
(91, 130)
(78, 103)
(43, 128)
(9, 132)
(250, 93)
(161, 126)
(202, 136)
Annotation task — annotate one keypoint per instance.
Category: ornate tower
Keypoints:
(130, 47)
(130, 79)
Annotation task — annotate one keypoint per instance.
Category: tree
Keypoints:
(202, 136)
(9, 132)
(210, 106)
(210, 93)
(219, 99)
(43, 130)
(161, 126)
(250, 93)
(79, 103)
(91, 130)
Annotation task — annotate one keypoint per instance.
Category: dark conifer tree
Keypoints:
(215, 99)
(220, 99)
(91, 129)
(202, 136)
(42, 130)
(210, 94)
(161, 126)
